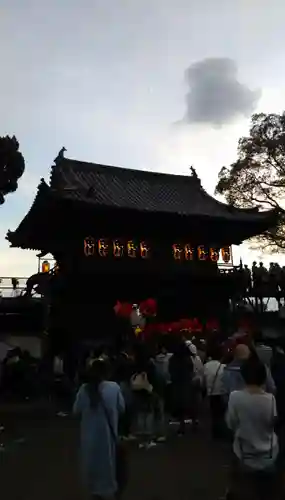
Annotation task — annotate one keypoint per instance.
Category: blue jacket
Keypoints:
(233, 381)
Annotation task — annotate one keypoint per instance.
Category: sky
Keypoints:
(148, 84)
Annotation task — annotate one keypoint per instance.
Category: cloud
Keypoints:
(16, 262)
(215, 96)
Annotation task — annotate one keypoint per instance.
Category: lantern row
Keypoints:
(118, 249)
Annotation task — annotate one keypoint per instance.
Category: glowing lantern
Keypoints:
(45, 267)
(103, 248)
(89, 246)
(177, 251)
(132, 249)
(202, 254)
(118, 249)
(144, 250)
(214, 254)
(188, 251)
(226, 254)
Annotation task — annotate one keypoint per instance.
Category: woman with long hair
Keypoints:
(99, 402)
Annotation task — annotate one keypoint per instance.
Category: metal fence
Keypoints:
(8, 288)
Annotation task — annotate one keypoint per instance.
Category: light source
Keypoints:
(45, 267)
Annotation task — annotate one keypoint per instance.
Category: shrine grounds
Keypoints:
(38, 461)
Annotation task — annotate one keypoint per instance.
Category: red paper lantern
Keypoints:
(123, 310)
(186, 324)
(175, 327)
(196, 326)
(148, 307)
(212, 325)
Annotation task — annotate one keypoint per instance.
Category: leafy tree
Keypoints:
(12, 166)
(257, 178)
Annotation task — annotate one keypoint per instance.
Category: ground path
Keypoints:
(44, 467)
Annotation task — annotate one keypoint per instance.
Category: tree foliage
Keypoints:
(12, 166)
(257, 178)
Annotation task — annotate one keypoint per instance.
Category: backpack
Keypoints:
(140, 382)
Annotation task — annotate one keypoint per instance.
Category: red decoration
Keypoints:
(212, 325)
(186, 324)
(196, 326)
(123, 310)
(148, 307)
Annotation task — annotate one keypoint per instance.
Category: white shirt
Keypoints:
(198, 367)
(58, 366)
(213, 372)
(251, 417)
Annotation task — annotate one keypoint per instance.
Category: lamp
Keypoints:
(45, 267)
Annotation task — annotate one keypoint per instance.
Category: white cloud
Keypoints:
(17, 263)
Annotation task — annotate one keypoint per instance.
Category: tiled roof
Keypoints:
(139, 190)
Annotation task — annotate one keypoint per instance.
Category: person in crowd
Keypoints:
(181, 374)
(162, 363)
(13, 378)
(277, 366)
(60, 386)
(232, 378)
(90, 358)
(197, 383)
(99, 403)
(264, 352)
(198, 366)
(162, 384)
(213, 381)
(251, 416)
(123, 372)
(143, 384)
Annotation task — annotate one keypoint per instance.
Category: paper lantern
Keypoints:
(212, 325)
(226, 254)
(123, 310)
(45, 267)
(186, 324)
(148, 307)
(196, 325)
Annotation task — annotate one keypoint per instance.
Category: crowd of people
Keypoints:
(133, 395)
(260, 281)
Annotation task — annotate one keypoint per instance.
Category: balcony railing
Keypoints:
(7, 289)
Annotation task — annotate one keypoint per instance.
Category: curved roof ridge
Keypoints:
(71, 162)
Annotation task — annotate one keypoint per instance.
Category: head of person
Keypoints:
(161, 348)
(215, 353)
(241, 352)
(181, 350)
(253, 372)
(96, 374)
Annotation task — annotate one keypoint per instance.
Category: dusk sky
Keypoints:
(148, 84)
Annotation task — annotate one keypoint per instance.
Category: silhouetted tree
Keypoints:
(12, 166)
(257, 178)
